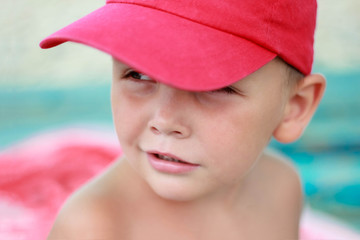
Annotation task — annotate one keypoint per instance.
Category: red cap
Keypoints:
(198, 44)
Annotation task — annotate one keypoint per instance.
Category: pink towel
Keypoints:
(37, 175)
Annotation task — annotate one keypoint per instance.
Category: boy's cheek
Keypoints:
(129, 120)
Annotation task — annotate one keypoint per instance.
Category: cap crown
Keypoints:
(285, 27)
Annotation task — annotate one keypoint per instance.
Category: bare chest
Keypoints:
(210, 228)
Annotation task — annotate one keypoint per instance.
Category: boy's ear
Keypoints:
(301, 106)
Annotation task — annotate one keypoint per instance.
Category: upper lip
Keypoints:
(169, 155)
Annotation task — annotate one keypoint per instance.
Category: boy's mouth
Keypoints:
(167, 158)
(171, 158)
(168, 163)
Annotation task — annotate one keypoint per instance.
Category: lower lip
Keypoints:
(170, 167)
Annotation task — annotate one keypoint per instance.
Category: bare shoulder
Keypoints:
(285, 187)
(87, 214)
(80, 217)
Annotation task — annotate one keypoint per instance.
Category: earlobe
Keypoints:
(300, 108)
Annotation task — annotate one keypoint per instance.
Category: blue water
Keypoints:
(327, 156)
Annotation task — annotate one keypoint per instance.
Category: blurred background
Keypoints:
(42, 90)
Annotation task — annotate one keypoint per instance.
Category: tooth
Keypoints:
(167, 158)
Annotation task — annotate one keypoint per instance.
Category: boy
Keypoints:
(199, 88)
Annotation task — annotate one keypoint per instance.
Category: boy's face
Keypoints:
(220, 134)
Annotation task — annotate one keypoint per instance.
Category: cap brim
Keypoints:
(173, 50)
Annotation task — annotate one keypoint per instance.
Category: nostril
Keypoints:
(155, 130)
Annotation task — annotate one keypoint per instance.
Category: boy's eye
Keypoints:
(134, 75)
(134, 82)
(226, 90)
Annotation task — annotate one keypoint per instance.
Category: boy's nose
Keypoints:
(170, 116)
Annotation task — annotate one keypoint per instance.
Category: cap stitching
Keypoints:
(270, 19)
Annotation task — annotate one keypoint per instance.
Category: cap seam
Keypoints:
(270, 19)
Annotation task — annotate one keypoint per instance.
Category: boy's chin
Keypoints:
(177, 191)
